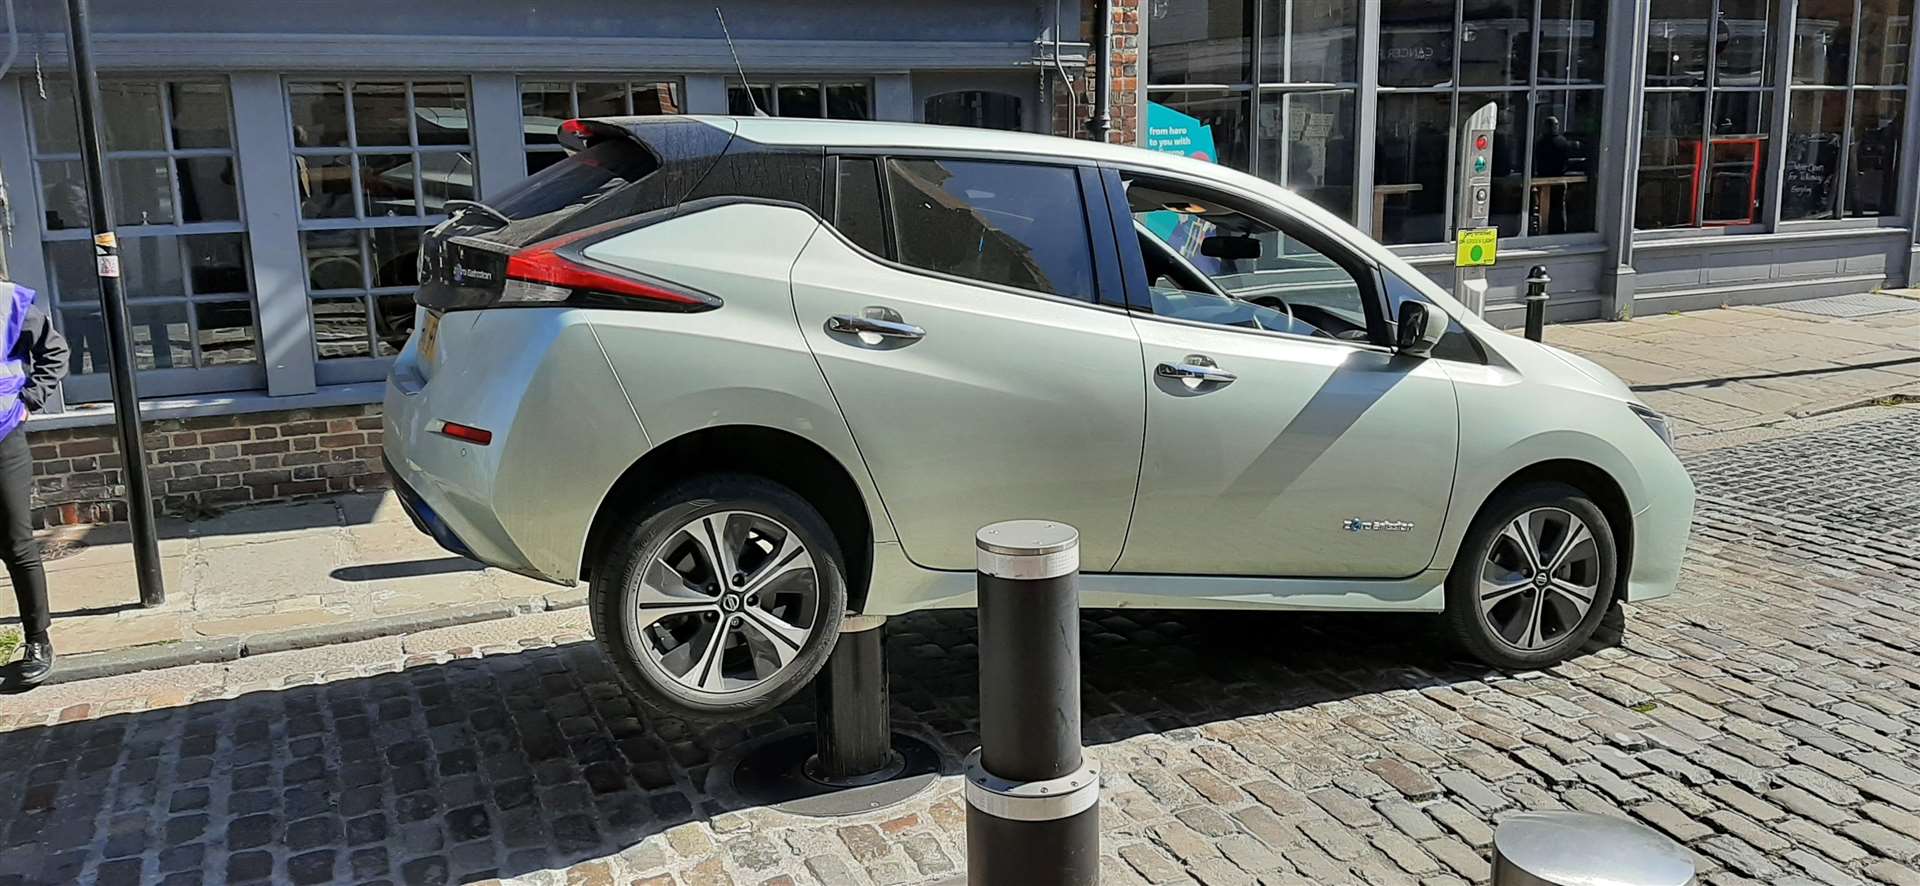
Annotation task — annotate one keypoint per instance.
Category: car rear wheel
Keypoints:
(721, 599)
(1534, 578)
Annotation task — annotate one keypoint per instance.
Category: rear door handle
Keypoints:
(883, 322)
(1196, 368)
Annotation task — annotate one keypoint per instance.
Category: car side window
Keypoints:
(1015, 224)
(856, 205)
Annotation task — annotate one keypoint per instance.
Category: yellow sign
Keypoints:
(1477, 248)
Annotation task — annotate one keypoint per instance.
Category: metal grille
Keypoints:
(1865, 304)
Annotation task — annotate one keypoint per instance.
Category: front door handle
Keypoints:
(883, 322)
(1196, 368)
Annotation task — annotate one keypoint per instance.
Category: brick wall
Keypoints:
(201, 465)
(1070, 118)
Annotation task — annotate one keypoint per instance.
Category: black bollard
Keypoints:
(1537, 281)
(1033, 812)
(853, 742)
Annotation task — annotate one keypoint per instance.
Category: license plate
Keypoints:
(430, 338)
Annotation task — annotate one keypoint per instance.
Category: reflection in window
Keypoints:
(1846, 120)
(1323, 47)
(1209, 43)
(1823, 42)
(1873, 159)
(1573, 37)
(1566, 144)
(857, 212)
(976, 108)
(545, 104)
(1496, 42)
(1704, 151)
(1307, 144)
(172, 179)
(1409, 188)
(838, 101)
(1013, 224)
(1416, 42)
(1886, 32)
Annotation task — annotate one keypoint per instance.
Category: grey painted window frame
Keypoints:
(573, 81)
(1852, 89)
(773, 83)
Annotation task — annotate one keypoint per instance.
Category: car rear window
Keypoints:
(580, 179)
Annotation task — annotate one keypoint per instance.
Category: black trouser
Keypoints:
(19, 548)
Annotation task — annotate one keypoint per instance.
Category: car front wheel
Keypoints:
(1534, 578)
(721, 600)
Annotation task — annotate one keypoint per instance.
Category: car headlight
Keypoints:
(1655, 422)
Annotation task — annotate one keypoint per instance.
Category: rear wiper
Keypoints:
(475, 204)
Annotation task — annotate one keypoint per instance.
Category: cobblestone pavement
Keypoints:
(1768, 717)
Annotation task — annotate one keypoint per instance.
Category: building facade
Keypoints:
(272, 165)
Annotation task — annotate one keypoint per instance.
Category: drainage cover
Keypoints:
(1865, 304)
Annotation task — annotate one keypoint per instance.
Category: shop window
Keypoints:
(1707, 116)
(977, 108)
(171, 179)
(1848, 110)
(375, 161)
(831, 100)
(545, 104)
(1545, 85)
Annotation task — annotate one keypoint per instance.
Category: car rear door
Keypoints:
(957, 311)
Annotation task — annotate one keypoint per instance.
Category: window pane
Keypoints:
(1815, 122)
(142, 194)
(200, 115)
(160, 336)
(1669, 160)
(1737, 159)
(974, 107)
(1324, 45)
(538, 160)
(440, 110)
(392, 323)
(1226, 118)
(379, 114)
(800, 101)
(1313, 154)
(340, 328)
(217, 263)
(1014, 224)
(63, 195)
(150, 267)
(847, 101)
(1677, 42)
(1822, 42)
(319, 114)
(207, 189)
(86, 332)
(333, 260)
(1509, 155)
(1410, 169)
(1566, 151)
(75, 278)
(1886, 30)
(226, 333)
(1873, 161)
(1743, 54)
(326, 186)
(54, 118)
(446, 175)
(1416, 42)
(1496, 42)
(131, 113)
(856, 207)
(1319, 296)
(738, 105)
(1573, 41)
(656, 98)
(602, 99)
(386, 182)
(543, 107)
(396, 256)
(1200, 42)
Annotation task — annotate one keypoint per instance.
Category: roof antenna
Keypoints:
(744, 85)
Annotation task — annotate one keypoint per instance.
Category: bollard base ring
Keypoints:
(777, 771)
(1048, 800)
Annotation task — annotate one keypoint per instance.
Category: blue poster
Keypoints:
(1171, 132)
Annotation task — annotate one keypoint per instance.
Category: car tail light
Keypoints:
(556, 271)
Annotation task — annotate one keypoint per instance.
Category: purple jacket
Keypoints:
(36, 361)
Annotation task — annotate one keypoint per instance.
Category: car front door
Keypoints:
(1283, 437)
(955, 308)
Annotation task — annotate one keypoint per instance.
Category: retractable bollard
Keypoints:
(1033, 813)
(1582, 849)
(1537, 281)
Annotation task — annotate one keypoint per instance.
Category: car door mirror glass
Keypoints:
(1419, 329)
(1232, 247)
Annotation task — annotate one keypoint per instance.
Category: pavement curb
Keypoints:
(220, 650)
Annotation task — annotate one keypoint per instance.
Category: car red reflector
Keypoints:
(468, 433)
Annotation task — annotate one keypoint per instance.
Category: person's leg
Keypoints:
(18, 546)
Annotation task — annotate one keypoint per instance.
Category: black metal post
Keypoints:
(1033, 810)
(1537, 281)
(106, 253)
(853, 742)
(1102, 120)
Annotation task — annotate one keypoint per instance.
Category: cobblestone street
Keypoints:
(1767, 716)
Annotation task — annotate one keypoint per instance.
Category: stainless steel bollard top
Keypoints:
(1028, 549)
(1581, 849)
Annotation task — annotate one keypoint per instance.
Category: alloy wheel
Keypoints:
(1540, 578)
(726, 602)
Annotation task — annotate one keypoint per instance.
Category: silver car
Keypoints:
(746, 376)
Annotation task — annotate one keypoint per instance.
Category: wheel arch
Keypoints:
(1598, 485)
(781, 456)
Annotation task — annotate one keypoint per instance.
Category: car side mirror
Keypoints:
(1233, 247)
(1419, 328)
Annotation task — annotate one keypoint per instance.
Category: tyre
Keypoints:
(720, 599)
(1534, 578)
